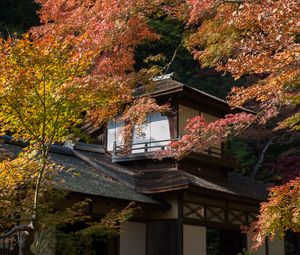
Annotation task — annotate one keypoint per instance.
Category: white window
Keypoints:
(155, 132)
(114, 134)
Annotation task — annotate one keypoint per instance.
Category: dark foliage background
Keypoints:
(17, 16)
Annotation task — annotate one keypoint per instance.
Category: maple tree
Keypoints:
(261, 145)
(200, 135)
(240, 37)
(136, 115)
(257, 39)
(45, 92)
(251, 37)
(279, 214)
(114, 29)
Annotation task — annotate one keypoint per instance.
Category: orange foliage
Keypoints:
(258, 38)
(200, 135)
(240, 37)
(251, 37)
(112, 28)
(280, 213)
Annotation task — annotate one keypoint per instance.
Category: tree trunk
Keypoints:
(26, 239)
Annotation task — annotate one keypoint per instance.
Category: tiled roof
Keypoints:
(235, 184)
(78, 176)
(163, 180)
(166, 84)
(94, 173)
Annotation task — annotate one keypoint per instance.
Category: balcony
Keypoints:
(144, 150)
(140, 150)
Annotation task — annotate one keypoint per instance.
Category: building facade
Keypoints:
(192, 206)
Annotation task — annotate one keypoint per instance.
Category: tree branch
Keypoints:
(24, 227)
(262, 157)
(19, 116)
(167, 67)
(45, 153)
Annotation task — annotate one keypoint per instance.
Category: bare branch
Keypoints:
(262, 157)
(24, 227)
(7, 31)
(167, 67)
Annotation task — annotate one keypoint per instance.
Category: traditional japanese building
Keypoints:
(192, 206)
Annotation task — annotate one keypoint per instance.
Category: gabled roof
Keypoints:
(94, 173)
(158, 181)
(166, 85)
(78, 176)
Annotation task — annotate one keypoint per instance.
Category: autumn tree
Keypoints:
(46, 89)
(50, 81)
(241, 37)
(114, 30)
(251, 37)
(260, 39)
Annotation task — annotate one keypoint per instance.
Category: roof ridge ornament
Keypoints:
(69, 144)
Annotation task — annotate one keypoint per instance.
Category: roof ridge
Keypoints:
(54, 148)
(95, 164)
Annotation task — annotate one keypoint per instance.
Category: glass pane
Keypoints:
(212, 242)
(160, 132)
(224, 242)
(291, 243)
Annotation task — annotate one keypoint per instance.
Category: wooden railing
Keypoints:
(214, 152)
(146, 147)
(9, 246)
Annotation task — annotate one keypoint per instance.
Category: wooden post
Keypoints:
(209, 151)
(114, 148)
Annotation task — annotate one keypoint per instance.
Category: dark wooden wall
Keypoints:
(162, 238)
